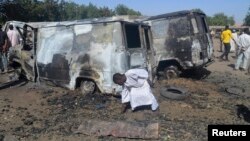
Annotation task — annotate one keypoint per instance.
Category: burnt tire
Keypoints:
(174, 93)
(171, 72)
(87, 87)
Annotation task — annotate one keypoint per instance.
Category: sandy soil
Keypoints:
(31, 111)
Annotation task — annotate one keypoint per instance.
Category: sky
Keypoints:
(236, 8)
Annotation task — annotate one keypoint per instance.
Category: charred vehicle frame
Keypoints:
(181, 41)
(82, 54)
(85, 54)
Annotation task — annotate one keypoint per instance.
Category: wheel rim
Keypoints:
(170, 74)
(87, 87)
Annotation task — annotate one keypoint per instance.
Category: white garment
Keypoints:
(13, 37)
(246, 61)
(244, 43)
(244, 48)
(232, 42)
(137, 91)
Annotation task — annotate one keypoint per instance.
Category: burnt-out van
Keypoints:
(82, 54)
(181, 41)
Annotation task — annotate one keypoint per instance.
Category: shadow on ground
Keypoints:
(17, 83)
(196, 74)
(231, 65)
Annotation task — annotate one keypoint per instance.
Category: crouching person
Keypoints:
(136, 89)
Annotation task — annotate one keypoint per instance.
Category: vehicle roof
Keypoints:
(126, 18)
(174, 14)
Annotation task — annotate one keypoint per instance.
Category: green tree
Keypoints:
(3, 12)
(220, 19)
(55, 10)
(230, 20)
(24, 10)
(37, 12)
(132, 12)
(209, 20)
(70, 11)
(52, 10)
(7, 10)
(121, 9)
(124, 10)
(106, 12)
(82, 12)
(247, 18)
(93, 11)
(197, 10)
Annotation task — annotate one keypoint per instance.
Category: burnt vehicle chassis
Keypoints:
(81, 54)
(181, 41)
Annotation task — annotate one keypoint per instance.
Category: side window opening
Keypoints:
(202, 26)
(27, 37)
(132, 35)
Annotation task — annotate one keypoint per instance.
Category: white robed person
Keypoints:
(136, 89)
(243, 57)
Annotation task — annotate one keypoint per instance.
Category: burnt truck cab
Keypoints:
(181, 41)
(85, 53)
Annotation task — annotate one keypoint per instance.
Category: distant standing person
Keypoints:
(3, 49)
(212, 33)
(243, 51)
(221, 44)
(136, 89)
(13, 36)
(226, 36)
(233, 40)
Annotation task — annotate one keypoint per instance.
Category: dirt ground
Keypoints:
(30, 111)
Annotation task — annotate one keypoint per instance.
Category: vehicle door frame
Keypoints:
(30, 74)
(129, 51)
(150, 52)
(205, 33)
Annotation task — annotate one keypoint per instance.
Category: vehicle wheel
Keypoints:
(87, 87)
(174, 93)
(171, 72)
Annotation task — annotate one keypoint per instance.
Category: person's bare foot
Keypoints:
(124, 108)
